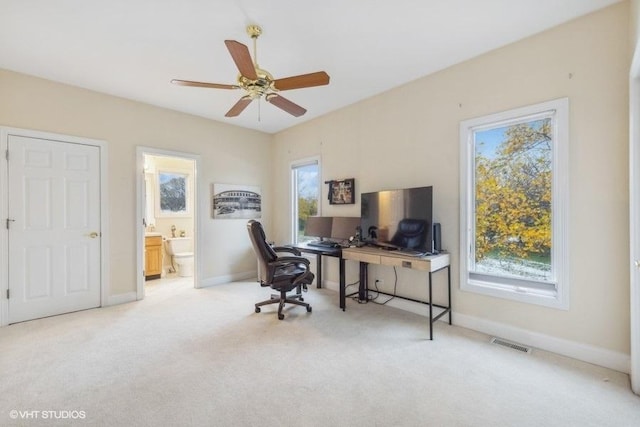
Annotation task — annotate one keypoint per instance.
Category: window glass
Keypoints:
(514, 196)
(512, 190)
(306, 195)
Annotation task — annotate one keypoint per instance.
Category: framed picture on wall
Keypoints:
(173, 194)
(235, 201)
(342, 192)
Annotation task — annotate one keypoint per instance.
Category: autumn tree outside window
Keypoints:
(514, 204)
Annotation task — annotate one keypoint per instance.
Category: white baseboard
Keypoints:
(235, 277)
(121, 298)
(587, 353)
(334, 286)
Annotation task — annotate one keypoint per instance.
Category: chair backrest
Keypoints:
(263, 250)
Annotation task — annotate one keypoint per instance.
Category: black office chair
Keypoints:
(282, 273)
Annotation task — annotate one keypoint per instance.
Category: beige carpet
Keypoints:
(202, 357)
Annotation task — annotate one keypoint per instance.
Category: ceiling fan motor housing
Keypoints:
(259, 87)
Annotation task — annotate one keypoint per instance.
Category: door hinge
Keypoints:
(7, 293)
(6, 154)
(9, 220)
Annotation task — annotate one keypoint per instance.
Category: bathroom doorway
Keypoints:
(167, 208)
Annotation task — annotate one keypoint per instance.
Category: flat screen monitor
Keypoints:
(318, 226)
(344, 227)
(398, 219)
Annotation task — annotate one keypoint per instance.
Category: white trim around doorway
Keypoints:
(634, 225)
(140, 188)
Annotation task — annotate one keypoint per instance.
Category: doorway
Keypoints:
(53, 197)
(168, 212)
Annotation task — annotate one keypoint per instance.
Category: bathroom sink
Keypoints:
(152, 234)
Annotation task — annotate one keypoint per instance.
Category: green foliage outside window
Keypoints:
(513, 199)
(307, 206)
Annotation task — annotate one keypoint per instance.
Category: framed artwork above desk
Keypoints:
(342, 192)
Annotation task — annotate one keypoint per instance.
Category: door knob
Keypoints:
(637, 263)
(93, 234)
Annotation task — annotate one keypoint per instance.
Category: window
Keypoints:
(305, 185)
(173, 194)
(514, 173)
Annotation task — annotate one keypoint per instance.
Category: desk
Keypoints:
(319, 253)
(430, 264)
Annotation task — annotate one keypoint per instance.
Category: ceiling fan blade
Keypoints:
(285, 104)
(242, 58)
(304, 80)
(203, 84)
(239, 106)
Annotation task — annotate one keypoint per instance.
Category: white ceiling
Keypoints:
(133, 48)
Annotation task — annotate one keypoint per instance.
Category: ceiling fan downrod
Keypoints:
(254, 32)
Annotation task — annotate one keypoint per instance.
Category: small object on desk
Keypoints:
(410, 252)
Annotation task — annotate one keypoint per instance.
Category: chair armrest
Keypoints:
(284, 260)
(291, 260)
(287, 249)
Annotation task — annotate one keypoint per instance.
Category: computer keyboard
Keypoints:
(323, 244)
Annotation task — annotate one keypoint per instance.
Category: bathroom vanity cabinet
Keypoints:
(152, 257)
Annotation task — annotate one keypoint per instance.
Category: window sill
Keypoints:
(551, 299)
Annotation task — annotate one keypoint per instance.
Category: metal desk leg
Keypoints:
(342, 285)
(430, 310)
(364, 277)
(319, 271)
(449, 285)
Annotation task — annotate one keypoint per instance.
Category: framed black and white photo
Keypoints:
(230, 201)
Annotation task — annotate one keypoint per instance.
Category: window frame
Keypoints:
(293, 202)
(504, 286)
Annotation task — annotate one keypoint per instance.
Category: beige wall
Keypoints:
(228, 154)
(634, 17)
(409, 137)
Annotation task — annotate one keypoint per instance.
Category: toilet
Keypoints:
(181, 251)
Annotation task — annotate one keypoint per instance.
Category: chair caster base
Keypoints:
(280, 316)
(257, 309)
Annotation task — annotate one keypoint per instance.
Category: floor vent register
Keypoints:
(514, 346)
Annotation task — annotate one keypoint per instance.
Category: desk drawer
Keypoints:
(361, 256)
(406, 262)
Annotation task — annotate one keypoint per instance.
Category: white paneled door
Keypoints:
(53, 227)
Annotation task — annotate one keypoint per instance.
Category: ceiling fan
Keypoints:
(257, 82)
